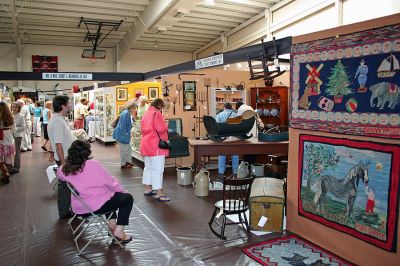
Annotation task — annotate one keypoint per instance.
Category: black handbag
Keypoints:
(162, 144)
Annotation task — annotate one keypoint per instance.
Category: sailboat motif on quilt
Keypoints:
(388, 67)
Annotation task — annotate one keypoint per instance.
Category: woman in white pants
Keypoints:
(37, 112)
(154, 128)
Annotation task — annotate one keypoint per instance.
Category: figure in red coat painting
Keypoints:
(370, 200)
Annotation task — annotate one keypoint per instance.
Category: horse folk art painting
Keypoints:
(351, 186)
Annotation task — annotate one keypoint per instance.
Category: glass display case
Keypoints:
(136, 137)
(105, 99)
(219, 96)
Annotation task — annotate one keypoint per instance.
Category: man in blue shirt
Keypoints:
(221, 118)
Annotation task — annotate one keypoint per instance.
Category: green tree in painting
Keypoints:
(338, 81)
(318, 158)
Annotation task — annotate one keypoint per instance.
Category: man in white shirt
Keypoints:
(80, 111)
(241, 108)
(26, 144)
(60, 135)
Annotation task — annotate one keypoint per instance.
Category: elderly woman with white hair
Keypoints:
(122, 134)
(142, 107)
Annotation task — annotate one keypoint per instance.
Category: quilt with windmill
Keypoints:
(348, 84)
(351, 186)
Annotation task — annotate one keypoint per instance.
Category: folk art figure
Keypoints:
(362, 72)
(385, 92)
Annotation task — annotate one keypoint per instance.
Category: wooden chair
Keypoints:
(236, 193)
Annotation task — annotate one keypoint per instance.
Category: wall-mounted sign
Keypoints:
(67, 76)
(44, 63)
(214, 60)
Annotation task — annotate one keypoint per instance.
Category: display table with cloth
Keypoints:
(234, 146)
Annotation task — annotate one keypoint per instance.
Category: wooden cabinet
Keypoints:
(220, 96)
(271, 103)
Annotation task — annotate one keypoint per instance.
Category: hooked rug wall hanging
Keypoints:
(348, 84)
(351, 186)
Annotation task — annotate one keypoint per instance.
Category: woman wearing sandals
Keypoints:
(7, 144)
(99, 190)
(153, 128)
(46, 117)
(20, 127)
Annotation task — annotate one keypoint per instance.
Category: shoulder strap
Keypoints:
(154, 117)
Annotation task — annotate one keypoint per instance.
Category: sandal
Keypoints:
(162, 198)
(126, 166)
(122, 241)
(151, 193)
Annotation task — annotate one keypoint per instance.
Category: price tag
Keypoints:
(263, 221)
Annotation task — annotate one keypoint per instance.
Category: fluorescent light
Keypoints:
(209, 2)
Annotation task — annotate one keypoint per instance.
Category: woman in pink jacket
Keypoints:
(154, 127)
(102, 192)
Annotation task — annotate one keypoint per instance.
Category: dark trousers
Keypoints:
(122, 202)
(17, 156)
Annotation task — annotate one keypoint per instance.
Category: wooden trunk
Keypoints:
(267, 199)
(269, 207)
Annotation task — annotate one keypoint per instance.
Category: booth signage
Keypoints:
(214, 60)
(67, 76)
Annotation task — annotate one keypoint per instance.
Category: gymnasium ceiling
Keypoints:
(171, 25)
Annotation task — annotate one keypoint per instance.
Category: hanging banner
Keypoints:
(67, 76)
(214, 60)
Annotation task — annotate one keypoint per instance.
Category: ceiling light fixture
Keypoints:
(209, 2)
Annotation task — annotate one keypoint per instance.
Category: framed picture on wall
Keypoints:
(85, 95)
(122, 94)
(120, 108)
(139, 91)
(153, 93)
(189, 96)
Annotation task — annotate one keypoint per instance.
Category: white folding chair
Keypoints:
(88, 221)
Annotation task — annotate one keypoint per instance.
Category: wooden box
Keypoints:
(267, 199)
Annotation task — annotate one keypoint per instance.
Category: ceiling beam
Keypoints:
(76, 14)
(208, 22)
(84, 5)
(250, 3)
(215, 17)
(232, 14)
(148, 18)
(231, 6)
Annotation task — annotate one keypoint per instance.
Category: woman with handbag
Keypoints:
(154, 148)
(7, 144)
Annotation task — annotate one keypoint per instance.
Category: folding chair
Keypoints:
(87, 221)
(236, 193)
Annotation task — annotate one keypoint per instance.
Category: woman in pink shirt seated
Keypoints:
(101, 192)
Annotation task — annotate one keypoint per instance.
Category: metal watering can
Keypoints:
(243, 170)
(201, 183)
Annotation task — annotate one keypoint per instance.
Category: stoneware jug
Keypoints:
(257, 169)
(201, 181)
(243, 170)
